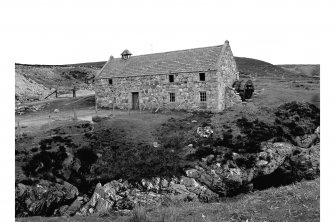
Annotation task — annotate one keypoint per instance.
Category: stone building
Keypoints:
(192, 79)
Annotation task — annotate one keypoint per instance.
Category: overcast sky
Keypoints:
(63, 31)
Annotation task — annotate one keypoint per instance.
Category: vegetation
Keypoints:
(297, 202)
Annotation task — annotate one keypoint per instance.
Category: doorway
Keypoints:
(135, 100)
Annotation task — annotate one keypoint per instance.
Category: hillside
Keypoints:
(308, 70)
(245, 65)
(39, 80)
(259, 68)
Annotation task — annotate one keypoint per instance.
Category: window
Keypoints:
(110, 81)
(171, 78)
(203, 97)
(172, 97)
(202, 76)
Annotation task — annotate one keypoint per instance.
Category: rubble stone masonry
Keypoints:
(154, 90)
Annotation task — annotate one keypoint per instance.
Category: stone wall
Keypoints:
(154, 91)
(227, 73)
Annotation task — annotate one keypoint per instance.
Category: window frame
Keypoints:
(171, 76)
(172, 97)
(203, 96)
(202, 74)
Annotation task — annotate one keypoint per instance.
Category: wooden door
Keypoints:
(135, 100)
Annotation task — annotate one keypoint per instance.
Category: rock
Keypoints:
(317, 131)
(189, 182)
(182, 193)
(62, 209)
(273, 157)
(56, 111)
(43, 199)
(307, 140)
(102, 198)
(305, 163)
(155, 144)
(205, 131)
(73, 208)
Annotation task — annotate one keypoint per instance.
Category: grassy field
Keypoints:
(271, 92)
(293, 203)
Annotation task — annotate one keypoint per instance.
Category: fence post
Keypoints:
(18, 130)
(74, 114)
(74, 91)
(128, 110)
(49, 121)
(139, 106)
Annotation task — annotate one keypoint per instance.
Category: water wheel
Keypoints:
(244, 88)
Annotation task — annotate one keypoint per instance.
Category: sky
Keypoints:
(64, 32)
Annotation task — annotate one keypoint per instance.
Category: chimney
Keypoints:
(126, 54)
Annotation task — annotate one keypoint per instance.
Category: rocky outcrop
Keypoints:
(43, 198)
(118, 195)
(213, 177)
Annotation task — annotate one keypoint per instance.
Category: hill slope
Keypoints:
(259, 68)
(245, 65)
(40, 77)
(309, 70)
(38, 80)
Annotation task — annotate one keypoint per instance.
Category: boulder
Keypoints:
(43, 198)
(305, 163)
(307, 140)
(73, 208)
(274, 156)
(102, 199)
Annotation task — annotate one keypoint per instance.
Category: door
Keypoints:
(135, 100)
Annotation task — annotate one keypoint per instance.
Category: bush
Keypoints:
(298, 118)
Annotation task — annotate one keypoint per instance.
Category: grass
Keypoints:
(273, 92)
(292, 203)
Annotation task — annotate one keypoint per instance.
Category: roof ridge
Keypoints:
(174, 51)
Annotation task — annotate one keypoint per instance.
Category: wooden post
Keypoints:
(74, 114)
(50, 124)
(139, 105)
(128, 110)
(96, 106)
(74, 91)
(18, 130)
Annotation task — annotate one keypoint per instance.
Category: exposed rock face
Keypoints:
(43, 198)
(304, 163)
(214, 176)
(117, 195)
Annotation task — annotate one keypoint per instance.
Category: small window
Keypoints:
(172, 97)
(171, 78)
(110, 81)
(202, 76)
(203, 97)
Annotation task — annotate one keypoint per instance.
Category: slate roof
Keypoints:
(190, 60)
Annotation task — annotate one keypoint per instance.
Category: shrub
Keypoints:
(298, 118)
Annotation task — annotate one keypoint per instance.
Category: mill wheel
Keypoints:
(244, 88)
(248, 89)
